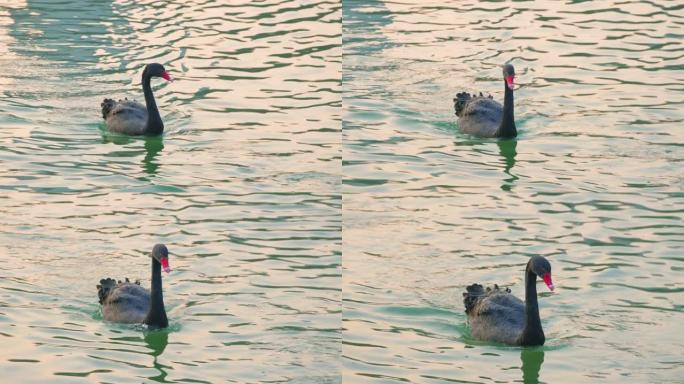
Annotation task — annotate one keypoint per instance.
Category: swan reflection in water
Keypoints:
(156, 341)
(532, 359)
(507, 150)
(153, 146)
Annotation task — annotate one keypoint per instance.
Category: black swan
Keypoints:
(482, 116)
(132, 118)
(126, 302)
(497, 315)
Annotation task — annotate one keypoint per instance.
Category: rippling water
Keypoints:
(243, 187)
(593, 182)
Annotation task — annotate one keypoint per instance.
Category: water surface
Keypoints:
(593, 183)
(243, 187)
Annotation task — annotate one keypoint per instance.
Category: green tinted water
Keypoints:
(593, 183)
(243, 187)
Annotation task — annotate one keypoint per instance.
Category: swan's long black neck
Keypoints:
(155, 126)
(532, 333)
(156, 317)
(507, 127)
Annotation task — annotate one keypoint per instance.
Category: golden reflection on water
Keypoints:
(588, 183)
(243, 185)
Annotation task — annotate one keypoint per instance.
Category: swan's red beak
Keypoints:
(547, 280)
(510, 82)
(165, 264)
(166, 76)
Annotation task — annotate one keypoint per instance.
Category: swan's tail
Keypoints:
(107, 106)
(474, 293)
(460, 101)
(106, 287)
(464, 98)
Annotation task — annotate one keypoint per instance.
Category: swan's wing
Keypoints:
(499, 302)
(125, 116)
(128, 109)
(497, 316)
(125, 303)
(123, 105)
(483, 106)
(480, 116)
(111, 106)
(465, 103)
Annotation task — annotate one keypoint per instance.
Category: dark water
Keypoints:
(243, 187)
(593, 182)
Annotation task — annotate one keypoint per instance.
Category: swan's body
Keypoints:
(123, 302)
(124, 116)
(132, 118)
(496, 315)
(482, 116)
(126, 302)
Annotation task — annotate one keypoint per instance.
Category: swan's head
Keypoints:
(156, 70)
(542, 268)
(161, 254)
(509, 75)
